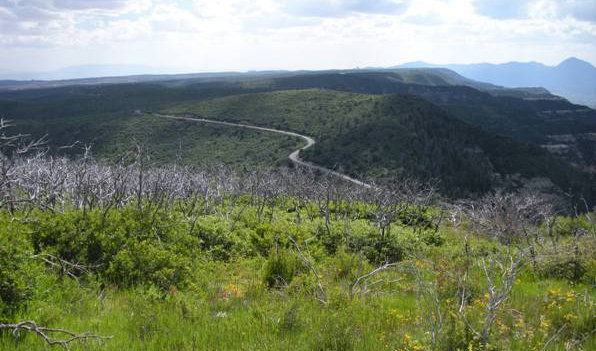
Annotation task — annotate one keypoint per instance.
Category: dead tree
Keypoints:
(511, 218)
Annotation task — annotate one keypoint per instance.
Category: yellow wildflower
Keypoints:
(568, 317)
(570, 296)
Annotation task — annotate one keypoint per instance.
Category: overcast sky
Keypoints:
(217, 35)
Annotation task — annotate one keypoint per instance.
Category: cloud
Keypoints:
(52, 22)
(284, 34)
(583, 10)
(342, 8)
(502, 9)
(90, 4)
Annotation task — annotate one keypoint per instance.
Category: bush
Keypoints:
(18, 270)
(146, 262)
(336, 335)
(216, 239)
(349, 266)
(573, 261)
(291, 319)
(388, 249)
(280, 269)
(377, 249)
(331, 239)
(562, 266)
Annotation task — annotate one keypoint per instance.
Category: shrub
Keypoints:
(433, 238)
(570, 260)
(376, 248)
(331, 239)
(290, 322)
(216, 239)
(349, 266)
(388, 248)
(280, 269)
(336, 335)
(562, 266)
(146, 262)
(18, 270)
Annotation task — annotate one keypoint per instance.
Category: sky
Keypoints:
(240, 35)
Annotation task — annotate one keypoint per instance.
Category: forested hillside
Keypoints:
(431, 136)
(392, 136)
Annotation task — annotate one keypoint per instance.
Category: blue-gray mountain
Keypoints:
(573, 78)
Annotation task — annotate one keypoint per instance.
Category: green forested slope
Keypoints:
(387, 136)
(372, 134)
(528, 115)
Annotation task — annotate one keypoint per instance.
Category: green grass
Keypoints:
(224, 303)
(233, 310)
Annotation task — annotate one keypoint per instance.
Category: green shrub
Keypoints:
(433, 238)
(337, 335)
(562, 266)
(19, 270)
(349, 266)
(280, 269)
(146, 262)
(388, 249)
(290, 322)
(216, 239)
(332, 238)
(568, 260)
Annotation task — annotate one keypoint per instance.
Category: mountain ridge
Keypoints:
(573, 78)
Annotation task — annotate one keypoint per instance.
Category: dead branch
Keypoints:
(323, 296)
(45, 333)
(73, 270)
(360, 282)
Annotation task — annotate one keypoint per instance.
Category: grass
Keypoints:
(226, 305)
(239, 313)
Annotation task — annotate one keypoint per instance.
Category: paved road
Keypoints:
(294, 156)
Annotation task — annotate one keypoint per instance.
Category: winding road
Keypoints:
(294, 156)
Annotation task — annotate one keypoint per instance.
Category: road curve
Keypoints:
(294, 156)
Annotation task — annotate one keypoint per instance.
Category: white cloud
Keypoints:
(342, 8)
(290, 34)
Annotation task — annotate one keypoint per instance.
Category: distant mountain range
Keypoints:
(573, 78)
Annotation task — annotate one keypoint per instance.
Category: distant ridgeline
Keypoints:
(573, 78)
(432, 124)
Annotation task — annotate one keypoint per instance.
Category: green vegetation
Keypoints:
(525, 115)
(392, 136)
(181, 235)
(369, 134)
(166, 141)
(244, 271)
